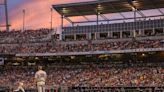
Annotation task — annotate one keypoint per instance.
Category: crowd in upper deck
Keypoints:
(40, 41)
(49, 47)
(18, 36)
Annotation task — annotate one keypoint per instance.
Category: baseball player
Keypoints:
(40, 77)
(20, 88)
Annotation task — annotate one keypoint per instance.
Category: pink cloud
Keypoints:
(37, 14)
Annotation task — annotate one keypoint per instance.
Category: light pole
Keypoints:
(6, 15)
(23, 19)
(51, 18)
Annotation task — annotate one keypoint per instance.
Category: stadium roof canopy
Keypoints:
(106, 7)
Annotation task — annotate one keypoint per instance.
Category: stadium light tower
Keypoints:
(51, 18)
(6, 15)
(4, 3)
(23, 19)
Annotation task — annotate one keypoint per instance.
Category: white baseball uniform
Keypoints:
(40, 77)
(20, 88)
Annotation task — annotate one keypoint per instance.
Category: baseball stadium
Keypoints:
(82, 46)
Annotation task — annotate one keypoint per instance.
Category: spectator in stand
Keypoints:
(86, 76)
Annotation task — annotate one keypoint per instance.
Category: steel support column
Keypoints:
(62, 21)
(135, 20)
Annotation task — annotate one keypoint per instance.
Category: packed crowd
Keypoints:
(40, 41)
(25, 36)
(50, 47)
(92, 76)
(104, 77)
(107, 45)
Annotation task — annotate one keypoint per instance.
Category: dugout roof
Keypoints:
(106, 7)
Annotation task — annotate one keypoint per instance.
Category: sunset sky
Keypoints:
(38, 13)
